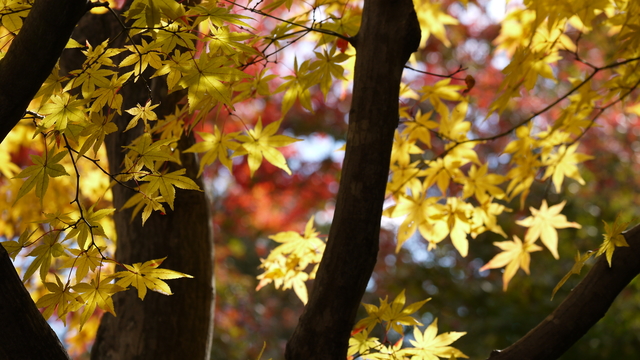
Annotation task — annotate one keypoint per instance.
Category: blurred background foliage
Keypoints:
(247, 211)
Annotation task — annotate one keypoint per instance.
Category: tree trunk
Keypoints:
(389, 34)
(24, 333)
(179, 326)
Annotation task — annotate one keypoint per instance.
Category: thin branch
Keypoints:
(77, 200)
(601, 110)
(318, 30)
(452, 75)
(587, 303)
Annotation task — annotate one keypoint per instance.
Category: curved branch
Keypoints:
(33, 54)
(24, 332)
(586, 304)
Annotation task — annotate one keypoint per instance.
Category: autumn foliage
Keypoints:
(479, 136)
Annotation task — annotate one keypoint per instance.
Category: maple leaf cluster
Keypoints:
(425, 345)
(442, 185)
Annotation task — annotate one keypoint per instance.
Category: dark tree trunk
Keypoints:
(33, 54)
(24, 333)
(179, 326)
(587, 303)
(389, 34)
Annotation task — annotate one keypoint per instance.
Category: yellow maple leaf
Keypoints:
(481, 184)
(13, 12)
(515, 255)
(299, 245)
(259, 143)
(441, 171)
(98, 128)
(142, 56)
(457, 215)
(229, 42)
(259, 84)
(361, 343)
(286, 272)
(60, 297)
(442, 90)
(418, 211)
(484, 217)
(575, 269)
(151, 204)
(172, 68)
(386, 352)
(327, 68)
(146, 275)
(402, 149)
(167, 184)
(147, 151)
(452, 124)
(14, 247)
(563, 163)
(287, 264)
(109, 94)
(420, 128)
(91, 77)
(44, 253)
(613, 238)
(62, 109)
(543, 224)
(395, 314)
(142, 112)
(88, 226)
(522, 176)
(297, 86)
(212, 76)
(38, 174)
(217, 146)
(403, 176)
(84, 261)
(150, 201)
(98, 293)
(432, 21)
(428, 346)
(171, 9)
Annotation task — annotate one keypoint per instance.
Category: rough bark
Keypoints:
(179, 326)
(584, 307)
(388, 35)
(33, 54)
(24, 333)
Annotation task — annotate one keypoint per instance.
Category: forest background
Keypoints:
(459, 39)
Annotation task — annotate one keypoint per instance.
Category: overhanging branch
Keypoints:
(584, 307)
(24, 332)
(33, 54)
